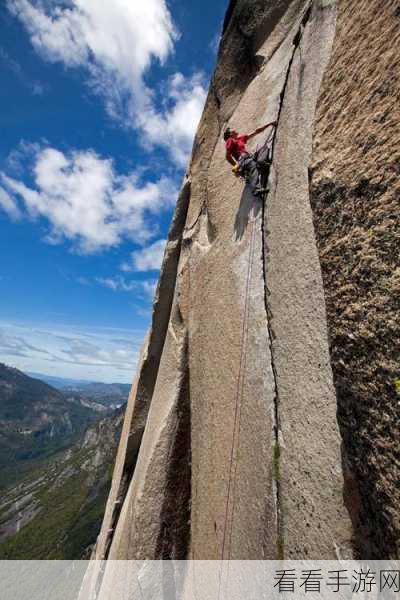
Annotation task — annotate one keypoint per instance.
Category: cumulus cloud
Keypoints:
(86, 202)
(117, 42)
(146, 259)
(8, 205)
(16, 162)
(120, 37)
(174, 127)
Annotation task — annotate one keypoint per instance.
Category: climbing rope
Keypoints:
(242, 377)
(238, 403)
(238, 406)
(239, 388)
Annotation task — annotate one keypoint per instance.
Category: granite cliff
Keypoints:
(272, 319)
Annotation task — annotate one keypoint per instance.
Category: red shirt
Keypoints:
(235, 147)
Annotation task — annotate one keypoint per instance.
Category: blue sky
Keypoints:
(99, 102)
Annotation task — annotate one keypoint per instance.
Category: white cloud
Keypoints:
(146, 259)
(117, 284)
(8, 204)
(175, 126)
(215, 42)
(86, 202)
(150, 287)
(121, 37)
(120, 284)
(117, 42)
(13, 345)
(94, 354)
(18, 158)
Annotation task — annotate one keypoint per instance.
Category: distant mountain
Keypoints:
(36, 420)
(56, 511)
(108, 394)
(111, 394)
(57, 382)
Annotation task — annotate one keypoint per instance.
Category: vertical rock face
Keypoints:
(231, 447)
(355, 199)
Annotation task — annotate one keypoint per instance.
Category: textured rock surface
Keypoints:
(240, 455)
(355, 198)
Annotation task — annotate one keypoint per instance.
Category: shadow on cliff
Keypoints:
(174, 537)
(249, 206)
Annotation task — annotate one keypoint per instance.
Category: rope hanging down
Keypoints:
(239, 391)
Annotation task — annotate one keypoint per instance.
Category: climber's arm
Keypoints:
(261, 129)
(233, 162)
(230, 159)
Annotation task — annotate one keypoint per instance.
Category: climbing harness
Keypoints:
(254, 168)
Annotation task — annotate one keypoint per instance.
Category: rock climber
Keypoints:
(245, 164)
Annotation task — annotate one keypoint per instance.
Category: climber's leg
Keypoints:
(263, 157)
(249, 170)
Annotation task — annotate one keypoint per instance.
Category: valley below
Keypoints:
(57, 449)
